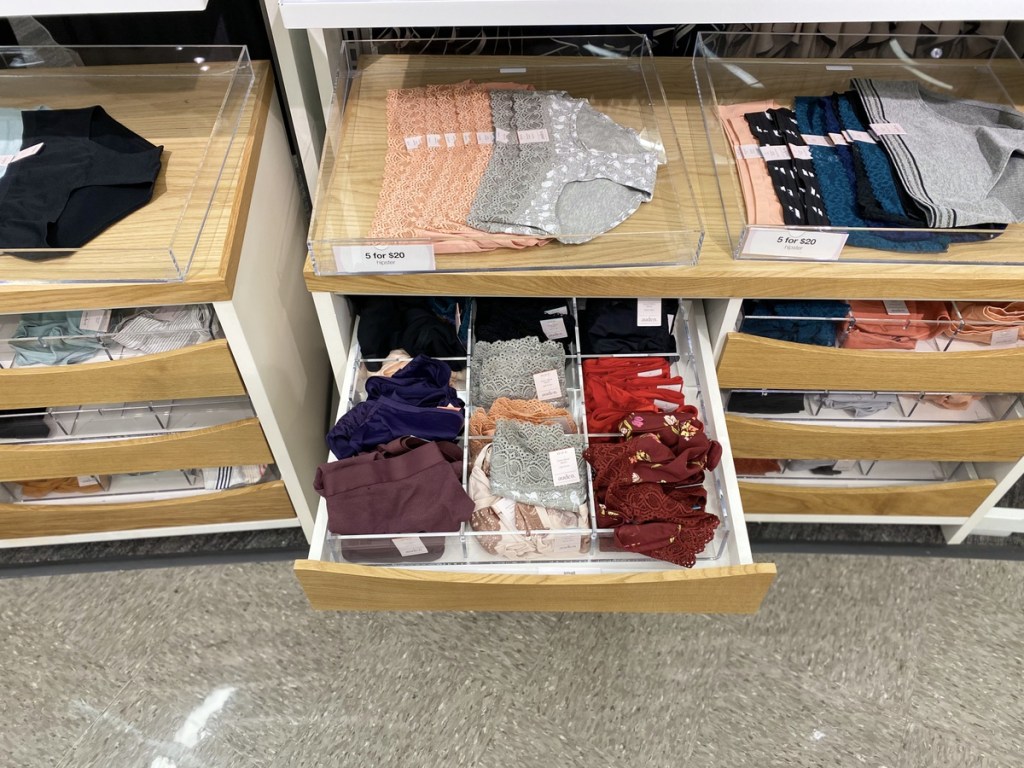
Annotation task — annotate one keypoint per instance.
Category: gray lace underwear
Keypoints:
(560, 168)
(521, 467)
(506, 369)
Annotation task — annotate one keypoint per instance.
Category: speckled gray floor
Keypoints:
(853, 661)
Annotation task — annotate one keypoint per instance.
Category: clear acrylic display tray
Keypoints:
(108, 342)
(864, 472)
(582, 549)
(971, 326)
(836, 407)
(114, 421)
(735, 68)
(121, 488)
(187, 99)
(615, 74)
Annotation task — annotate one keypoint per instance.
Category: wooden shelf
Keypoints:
(71, 7)
(717, 275)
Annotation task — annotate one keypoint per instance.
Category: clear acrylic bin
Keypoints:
(731, 70)
(187, 99)
(586, 548)
(862, 472)
(616, 75)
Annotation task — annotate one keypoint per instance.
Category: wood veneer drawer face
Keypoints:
(202, 370)
(770, 439)
(753, 362)
(583, 571)
(955, 500)
(265, 501)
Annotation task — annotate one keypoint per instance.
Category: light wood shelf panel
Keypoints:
(240, 442)
(717, 275)
(266, 501)
(202, 370)
(754, 362)
(956, 499)
(346, 587)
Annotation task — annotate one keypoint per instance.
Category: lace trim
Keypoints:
(506, 369)
(521, 469)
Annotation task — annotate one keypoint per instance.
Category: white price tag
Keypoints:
(433, 141)
(775, 152)
(1004, 336)
(27, 152)
(815, 141)
(467, 137)
(665, 405)
(895, 307)
(800, 152)
(887, 129)
(506, 509)
(554, 328)
(557, 311)
(501, 135)
(408, 546)
(794, 244)
(450, 140)
(649, 374)
(87, 481)
(564, 544)
(845, 465)
(95, 320)
(485, 137)
(864, 136)
(838, 139)
(533, 136)
(564, 468)
(413, 142)
(748, 152)
(547, 385)
(648, 313)
(385, 258)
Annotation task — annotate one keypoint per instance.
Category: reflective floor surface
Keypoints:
(853, 661)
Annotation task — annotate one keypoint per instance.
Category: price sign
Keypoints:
(385, 258)
(794, 244)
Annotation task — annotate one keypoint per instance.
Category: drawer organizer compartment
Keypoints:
(859, 491)
(574, 563)
(938, 346)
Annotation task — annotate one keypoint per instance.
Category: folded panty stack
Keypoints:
(884, 155)
(480, 166)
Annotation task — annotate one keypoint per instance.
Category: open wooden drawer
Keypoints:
(587, 575)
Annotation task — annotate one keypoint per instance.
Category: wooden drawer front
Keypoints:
(770, 439)
(953, 499)
(752, 362)
(240, 442)
(203, 370)
(267, 501)
(347, 587)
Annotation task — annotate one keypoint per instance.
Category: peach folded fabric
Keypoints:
(874, 328)
(759, 195)
(980, 320)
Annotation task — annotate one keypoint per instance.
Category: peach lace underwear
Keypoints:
(482, 422)
(439, 144)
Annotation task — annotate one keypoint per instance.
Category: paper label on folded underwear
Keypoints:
(485, 137)
(506, 509)
(648, 313)
(399, 257)
(887, 129)
(433, 141)
(547, 385)
(665, 405)
(413, 142)
(564, 468)
(838, 139)
(565, 543)
(864, 136)
(815, 141)
(775, 152)
(95, 320)
(895, 307)
(87, 481)
(748, 152)
(800, 152)
(409, 546)
(671, 321)
(844, 465)
(27, 152)
(554, 328)
(649, 374)
(808, 245)
(557, 311)
(451, 139)
(501, 135)
(533, 136)
(1004, 336)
